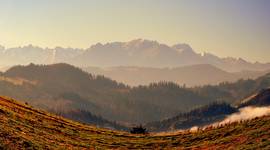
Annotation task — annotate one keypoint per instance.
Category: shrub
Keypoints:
(138, 130)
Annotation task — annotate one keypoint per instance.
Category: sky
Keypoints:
(237, 28)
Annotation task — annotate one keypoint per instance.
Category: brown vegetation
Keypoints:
(23, 127)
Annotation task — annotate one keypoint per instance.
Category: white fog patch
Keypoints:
(245, 113)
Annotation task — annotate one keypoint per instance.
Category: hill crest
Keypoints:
(23, 127)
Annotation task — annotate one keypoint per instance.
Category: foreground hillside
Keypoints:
(22, 127)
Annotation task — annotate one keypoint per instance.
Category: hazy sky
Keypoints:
(223, 27)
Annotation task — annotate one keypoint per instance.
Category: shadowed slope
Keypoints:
(201, 116)
(260, 99)
(211, 113)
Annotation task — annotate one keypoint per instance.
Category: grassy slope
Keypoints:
(22, 127)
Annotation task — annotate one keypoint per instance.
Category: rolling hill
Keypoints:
(23, 127)
(194, 75)
(64, 88)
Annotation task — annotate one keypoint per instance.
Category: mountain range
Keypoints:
(139, 53)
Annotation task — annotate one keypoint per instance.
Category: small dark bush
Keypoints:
(138, 130)
(2, 111)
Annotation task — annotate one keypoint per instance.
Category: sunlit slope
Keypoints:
(23, 127)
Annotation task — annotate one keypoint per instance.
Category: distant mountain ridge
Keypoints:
(194, 75)
(141, 53)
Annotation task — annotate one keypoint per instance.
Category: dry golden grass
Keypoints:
(23, 127)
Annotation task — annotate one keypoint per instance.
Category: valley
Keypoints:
(134, 74)
(67, 90)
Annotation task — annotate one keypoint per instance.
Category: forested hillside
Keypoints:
(201, 116)
(215, 112)
(62, 87)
